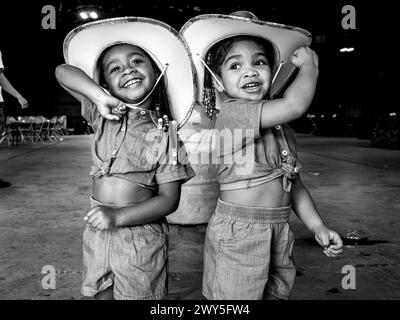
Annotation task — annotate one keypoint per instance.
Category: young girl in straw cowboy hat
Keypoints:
(248, 245)
(140, 69)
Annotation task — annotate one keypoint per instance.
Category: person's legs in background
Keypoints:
(3, 184)
(2, 120)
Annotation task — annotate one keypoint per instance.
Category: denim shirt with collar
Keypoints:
(254, 152)
(134, 149)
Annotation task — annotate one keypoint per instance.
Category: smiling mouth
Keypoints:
(252, 86)
(132, 83)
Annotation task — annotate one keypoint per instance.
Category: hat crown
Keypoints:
(244, 14)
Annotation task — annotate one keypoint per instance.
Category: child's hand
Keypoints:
(23, 102)
(110, 107)
(329, 240)
(304, 56)
(101, 218)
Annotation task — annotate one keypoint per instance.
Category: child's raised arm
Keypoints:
(79, 85)
(299, 94)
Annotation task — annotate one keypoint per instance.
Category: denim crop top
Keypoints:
(134, 149)
(249, 153)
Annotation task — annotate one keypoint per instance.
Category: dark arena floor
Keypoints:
(355, 186)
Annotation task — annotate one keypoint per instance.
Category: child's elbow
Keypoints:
(64, 70)
(59, 72)
(170, 194)
(174, 204)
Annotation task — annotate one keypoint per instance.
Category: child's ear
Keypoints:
(102, 83)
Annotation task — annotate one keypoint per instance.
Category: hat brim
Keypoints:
(204, 31)
(84, 44)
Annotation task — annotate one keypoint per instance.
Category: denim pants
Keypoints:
(132, 259)
(248, 253)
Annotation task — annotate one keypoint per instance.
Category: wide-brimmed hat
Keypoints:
(84, 44)
(204, 31)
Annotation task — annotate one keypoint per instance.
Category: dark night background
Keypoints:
(363, 82)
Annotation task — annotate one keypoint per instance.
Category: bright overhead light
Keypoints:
(346, 49)
(93, 15)
(83, 15)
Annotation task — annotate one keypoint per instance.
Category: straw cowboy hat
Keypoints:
(204, 31)
(84, 44)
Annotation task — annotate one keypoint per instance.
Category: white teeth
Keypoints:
(132, 82)
(252, 85)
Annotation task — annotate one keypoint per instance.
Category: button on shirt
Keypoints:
(134, 149)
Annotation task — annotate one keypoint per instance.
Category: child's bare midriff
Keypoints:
(117, 191)
(269, 195)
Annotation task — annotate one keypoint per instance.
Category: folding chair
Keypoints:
(37, 129)
(54, 131)
(12, 131)
(30, 133)
(25, 128)
(45, 131)
(6, 134)
(62, 125)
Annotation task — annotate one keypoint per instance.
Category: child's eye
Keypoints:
(114, 69)
(260, 63)
(234, 66)
(136, 61)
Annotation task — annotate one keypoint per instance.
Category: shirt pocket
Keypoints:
(142, 149)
